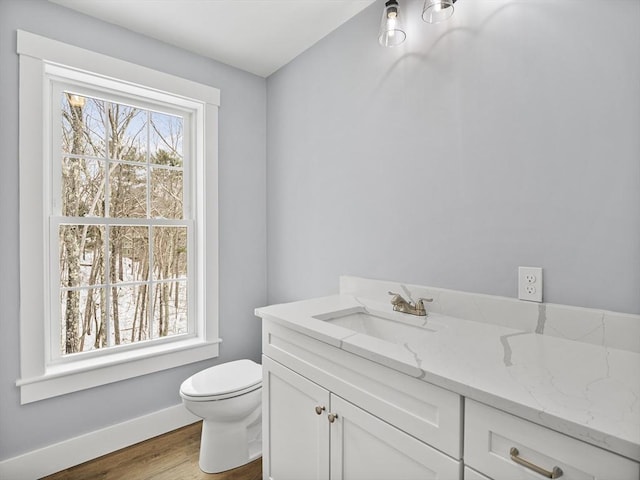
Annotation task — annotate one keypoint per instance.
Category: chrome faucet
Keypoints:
(401, 305)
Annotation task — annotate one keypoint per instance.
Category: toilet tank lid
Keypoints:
(224, 378)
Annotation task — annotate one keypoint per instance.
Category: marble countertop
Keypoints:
(588, 392)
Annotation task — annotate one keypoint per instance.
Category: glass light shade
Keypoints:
(391, 27)
(436, 11)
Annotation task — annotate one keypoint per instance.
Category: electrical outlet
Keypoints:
(530, 284)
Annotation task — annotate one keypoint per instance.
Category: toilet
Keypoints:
(228, 397)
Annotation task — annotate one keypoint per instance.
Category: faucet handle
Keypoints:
(420, 306)
(397, 298)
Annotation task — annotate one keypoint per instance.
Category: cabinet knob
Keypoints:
(319, 409)
(332, 417)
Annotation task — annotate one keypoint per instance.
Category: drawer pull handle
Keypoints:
(332, 417)
(319, 409)
(555, 473)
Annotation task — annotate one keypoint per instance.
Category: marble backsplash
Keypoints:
(588, 325)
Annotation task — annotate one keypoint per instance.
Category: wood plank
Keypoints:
(169, 456)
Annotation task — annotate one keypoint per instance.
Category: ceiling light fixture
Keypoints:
(391, 27)
(436, 11)
(392, 32)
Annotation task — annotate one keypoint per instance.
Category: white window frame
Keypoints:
(58, 80)
(42, 63)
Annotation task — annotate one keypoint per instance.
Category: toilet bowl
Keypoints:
(228, 398)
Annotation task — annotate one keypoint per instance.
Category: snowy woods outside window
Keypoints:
(121, 226)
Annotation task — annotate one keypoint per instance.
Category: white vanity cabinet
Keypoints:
(329, 414)
(394, 388)
(313, 435)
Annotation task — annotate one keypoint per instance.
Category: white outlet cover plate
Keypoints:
(530, 284)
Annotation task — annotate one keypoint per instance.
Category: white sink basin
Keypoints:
(393, 328)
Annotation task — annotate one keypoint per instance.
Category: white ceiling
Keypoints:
(258, 36)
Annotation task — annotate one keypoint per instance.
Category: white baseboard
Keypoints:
(59, 456)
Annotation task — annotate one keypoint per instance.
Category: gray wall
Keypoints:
(508, 136)
(242, 226)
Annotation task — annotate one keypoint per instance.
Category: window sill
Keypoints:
(82, 374)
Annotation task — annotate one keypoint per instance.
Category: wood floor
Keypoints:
(172, 456)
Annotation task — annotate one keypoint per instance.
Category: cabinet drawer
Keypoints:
(490, 436)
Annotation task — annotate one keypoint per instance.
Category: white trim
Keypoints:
(57, 52)
(32, 228)
(74, 451)
(59, 381)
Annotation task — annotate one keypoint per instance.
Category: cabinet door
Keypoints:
(363, 447)
(295, 437)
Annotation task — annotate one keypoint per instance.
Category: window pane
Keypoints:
(129, 314)
(83, 320)
(129, 254)
(166, 193)
(82, 187)
(128, 191)
(81, 255)
(127, 133)
(83, 125)
(165, 139)
(169, 309)
(169, 253)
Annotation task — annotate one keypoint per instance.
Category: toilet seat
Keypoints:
(222, 381)
(211, 398)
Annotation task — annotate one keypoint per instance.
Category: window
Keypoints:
(118, 188)
(122, 233)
